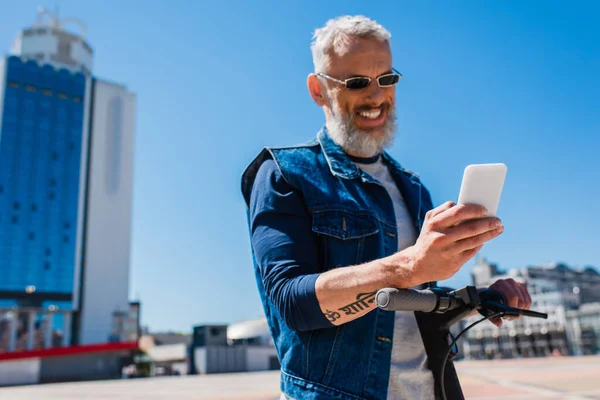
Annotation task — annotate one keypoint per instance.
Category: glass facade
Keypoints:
(40, 157)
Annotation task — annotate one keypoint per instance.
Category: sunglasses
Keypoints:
(361, 82)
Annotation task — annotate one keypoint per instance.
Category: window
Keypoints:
(30, 88)
(47, 92)
(62, 96)
(13, 84)
(31, 235)
(16, 205)
(15, 219)
(48, 251)
(77, 99)
(46, 266)
(52, 196)
(34, 207)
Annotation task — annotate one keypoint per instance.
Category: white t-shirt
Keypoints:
(410, 379)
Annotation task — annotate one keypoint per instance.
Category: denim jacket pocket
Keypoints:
(342, 235)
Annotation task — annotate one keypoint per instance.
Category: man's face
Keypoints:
(363, 120)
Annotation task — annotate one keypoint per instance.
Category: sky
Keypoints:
(512, 82)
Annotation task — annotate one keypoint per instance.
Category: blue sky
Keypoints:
(513, 82)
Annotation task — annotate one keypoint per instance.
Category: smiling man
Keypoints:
(363, 122)
(334, 220)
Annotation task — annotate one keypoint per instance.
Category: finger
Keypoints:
(521, 298)
(474, 228)
(506, 287)
(468, 254)
(476, 241)
(524, 299)
(512, 296)
(440, 209)
(496, 321)
(459, 213)
(518, 290)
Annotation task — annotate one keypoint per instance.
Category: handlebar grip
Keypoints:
(492, 295)
(393, 299)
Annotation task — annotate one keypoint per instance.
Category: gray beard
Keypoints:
(360, 142)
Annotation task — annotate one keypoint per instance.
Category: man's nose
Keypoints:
(375, 95)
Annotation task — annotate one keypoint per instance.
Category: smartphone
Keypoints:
(482, 185)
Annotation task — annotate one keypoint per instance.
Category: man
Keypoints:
(334, 220)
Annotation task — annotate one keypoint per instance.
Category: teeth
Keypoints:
(371, 114)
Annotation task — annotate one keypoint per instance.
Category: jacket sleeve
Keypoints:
(285, 249)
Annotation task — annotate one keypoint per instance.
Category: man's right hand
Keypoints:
(451, 235)
(447, 241)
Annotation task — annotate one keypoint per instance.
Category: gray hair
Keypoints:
(336, 36)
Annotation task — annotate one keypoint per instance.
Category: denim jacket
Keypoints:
(348, 219)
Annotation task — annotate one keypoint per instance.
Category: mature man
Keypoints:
(336, 219)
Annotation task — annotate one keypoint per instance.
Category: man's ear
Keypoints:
(317, 92)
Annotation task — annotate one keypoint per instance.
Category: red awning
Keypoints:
(68, 351)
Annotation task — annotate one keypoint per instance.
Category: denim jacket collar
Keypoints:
(341, 165)
(339, 162)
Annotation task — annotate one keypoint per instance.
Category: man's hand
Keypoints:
(451, 235)
(516, 296)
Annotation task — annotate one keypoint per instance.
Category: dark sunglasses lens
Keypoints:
(388, 80)
(357, 83)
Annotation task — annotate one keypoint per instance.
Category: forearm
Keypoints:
(347, 293)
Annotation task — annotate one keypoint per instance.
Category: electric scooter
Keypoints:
(456, 304)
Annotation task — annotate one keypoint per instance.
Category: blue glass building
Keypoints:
(40, 173)
(66, 170)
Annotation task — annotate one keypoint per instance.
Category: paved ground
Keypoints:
(567, 378)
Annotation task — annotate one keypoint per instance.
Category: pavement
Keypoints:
(559, 378)
(566, 378)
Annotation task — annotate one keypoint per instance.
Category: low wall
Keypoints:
(242, 358)
(64, 364)
(80, 367)
(19, 372)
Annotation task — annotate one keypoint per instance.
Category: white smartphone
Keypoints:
(482, 185)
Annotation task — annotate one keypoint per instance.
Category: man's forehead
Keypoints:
(359, 55)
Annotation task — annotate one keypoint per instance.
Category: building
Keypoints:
(241, 347)
(210, 349)
(66, 162)
(570, 297)
(166, 353)
(126, 324)
(253, 331)
(585, 325)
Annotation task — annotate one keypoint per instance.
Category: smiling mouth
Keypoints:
(371, 114)
(371, 118)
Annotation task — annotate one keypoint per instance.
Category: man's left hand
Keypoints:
(516, 296)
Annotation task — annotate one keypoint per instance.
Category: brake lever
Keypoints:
(494, 302)
(492, 307)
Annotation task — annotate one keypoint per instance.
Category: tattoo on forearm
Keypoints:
(332, 315)
(363, 301)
